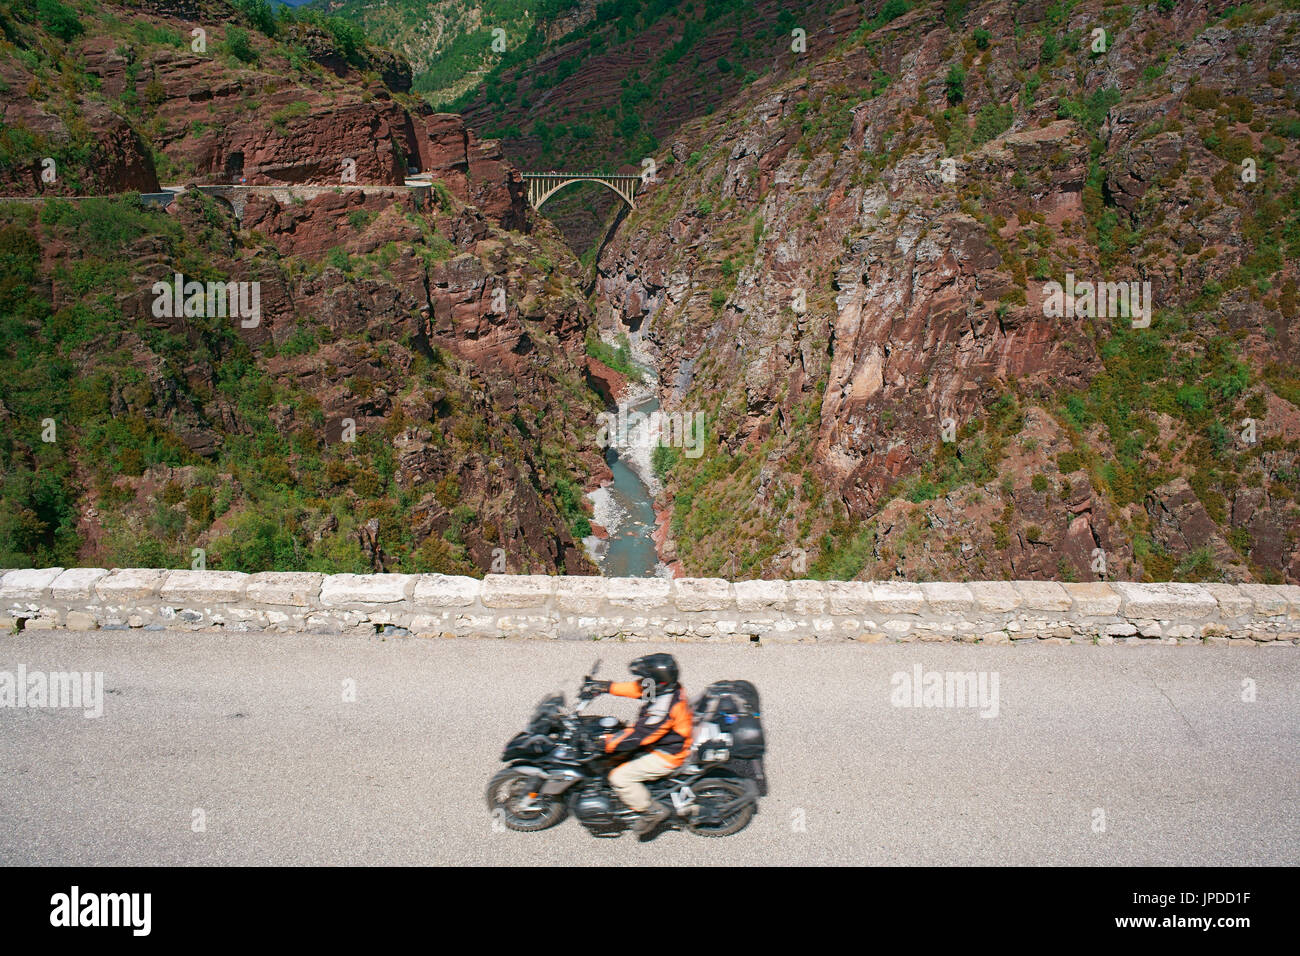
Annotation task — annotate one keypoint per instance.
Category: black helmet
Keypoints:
(660, 668)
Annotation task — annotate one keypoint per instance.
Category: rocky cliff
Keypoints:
(411, 395)
(850, 270)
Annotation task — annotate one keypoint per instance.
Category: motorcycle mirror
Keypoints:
(595, 667)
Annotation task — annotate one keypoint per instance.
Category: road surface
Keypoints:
(1097, 755)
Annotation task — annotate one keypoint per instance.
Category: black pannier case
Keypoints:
(734, 706)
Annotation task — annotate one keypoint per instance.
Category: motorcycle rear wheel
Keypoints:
(722, 791)
(508, 796)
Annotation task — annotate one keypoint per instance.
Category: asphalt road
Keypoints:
(254, 732)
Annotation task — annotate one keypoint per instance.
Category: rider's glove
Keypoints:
(594, 688)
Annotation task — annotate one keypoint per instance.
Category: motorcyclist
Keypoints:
(662, 731)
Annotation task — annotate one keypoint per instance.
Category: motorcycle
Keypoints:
(555, 767)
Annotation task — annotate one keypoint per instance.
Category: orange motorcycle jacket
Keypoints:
(663, 725)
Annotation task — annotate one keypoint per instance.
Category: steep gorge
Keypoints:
(842, 262)
(414, 394)
(1078, 447)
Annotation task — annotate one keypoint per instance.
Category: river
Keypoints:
(625, 507)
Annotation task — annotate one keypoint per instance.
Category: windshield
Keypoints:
(544, 715)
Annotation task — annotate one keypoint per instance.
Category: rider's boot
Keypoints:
(651, 818)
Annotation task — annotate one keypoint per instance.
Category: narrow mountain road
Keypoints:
(1124, 755)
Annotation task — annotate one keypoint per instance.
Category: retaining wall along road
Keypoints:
(685, 609)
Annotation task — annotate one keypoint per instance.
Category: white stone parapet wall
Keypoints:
(684, 609)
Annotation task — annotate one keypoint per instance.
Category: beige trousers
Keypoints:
(626, 779)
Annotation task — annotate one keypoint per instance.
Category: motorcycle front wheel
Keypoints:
(514, 800)
(718, 792)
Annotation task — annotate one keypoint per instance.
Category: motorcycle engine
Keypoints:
(597, 810)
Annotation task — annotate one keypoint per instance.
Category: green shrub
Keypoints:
(237, 45)
(955, 84)
(260, 13)
(991, 122)
(662, 459)
(59, 20)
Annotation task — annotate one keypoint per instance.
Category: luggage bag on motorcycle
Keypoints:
(734, 708)
(733, 705)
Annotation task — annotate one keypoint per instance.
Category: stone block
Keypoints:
(1093, 598)
(27, 583)
(896, 597)
(516, 590)
(338, 590)
(641, 593)
(702, 594)
(574, 593)
(1232, 603)
(1166, 600)
(1268, 599)
(291, 588)
(807, 597)
(76, 584)
(203, 587)
(761, 595)
(1042, 595)
(848, 597)
(998, 596)
(130, 584)
(947, 598)
(445, 590)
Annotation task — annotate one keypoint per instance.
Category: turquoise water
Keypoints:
(631, 550)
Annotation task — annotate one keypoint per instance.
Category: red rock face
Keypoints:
(831, 300)
(476, 171)
(428, 324)
(608, 383)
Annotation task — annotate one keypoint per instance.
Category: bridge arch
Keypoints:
(542, 186)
